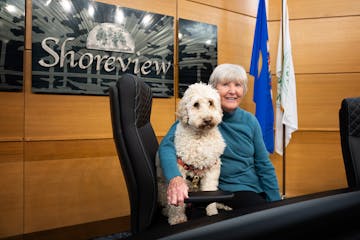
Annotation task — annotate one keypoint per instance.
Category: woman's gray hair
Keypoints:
(229, 73)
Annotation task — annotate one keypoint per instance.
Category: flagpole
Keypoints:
(284, 126)
(284, 164)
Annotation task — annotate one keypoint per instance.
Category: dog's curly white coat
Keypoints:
(199, 144)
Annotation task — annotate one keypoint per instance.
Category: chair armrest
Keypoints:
(208, 196)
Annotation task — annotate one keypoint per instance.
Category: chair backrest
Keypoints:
(349, 121)
(136, 143)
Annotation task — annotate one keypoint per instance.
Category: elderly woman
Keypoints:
(246, 169)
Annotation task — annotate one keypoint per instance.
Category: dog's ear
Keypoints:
(182, 113)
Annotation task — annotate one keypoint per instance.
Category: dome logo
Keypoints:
(110, 37)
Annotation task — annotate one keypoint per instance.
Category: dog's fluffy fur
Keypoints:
(198, 144)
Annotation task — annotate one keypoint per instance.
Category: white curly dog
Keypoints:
(198, 144)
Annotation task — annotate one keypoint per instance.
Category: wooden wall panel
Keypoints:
(166, 7)
(28, 24)
(315, 9)
(277, 161)
(320, 97)
(246, 7)
(11, 189)
(235, 31)
(67, 117)
(72, 182)
(57, 117)
(326, 45)
(248, 103)
(314, 163)
(162, 115)
(321, 45)
(11, 116)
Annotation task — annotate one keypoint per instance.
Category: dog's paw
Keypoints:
(177, 219)
(211, 209)
(223, 206)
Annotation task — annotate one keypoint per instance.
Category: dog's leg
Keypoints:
(211, 209)
(223, 206)
(210, 182)
(176, 214)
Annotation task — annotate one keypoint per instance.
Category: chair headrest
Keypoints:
(352, 106)
(143, 103)
(135, 97)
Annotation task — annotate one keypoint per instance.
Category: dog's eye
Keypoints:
(196, 105)
(211, 102)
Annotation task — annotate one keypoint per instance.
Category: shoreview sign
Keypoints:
(89, 60)
(90, 45)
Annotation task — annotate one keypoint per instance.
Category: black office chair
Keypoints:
(136, 143)
(349, 121)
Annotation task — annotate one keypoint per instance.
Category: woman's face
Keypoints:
(231, 94)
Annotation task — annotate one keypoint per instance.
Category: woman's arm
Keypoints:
(167, 154)
(177, 189)
(264, 167)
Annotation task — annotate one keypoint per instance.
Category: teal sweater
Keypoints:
(245, 162)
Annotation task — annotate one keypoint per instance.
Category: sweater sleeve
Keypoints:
(264, 167)
(167, 155)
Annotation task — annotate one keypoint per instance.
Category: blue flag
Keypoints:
(262, 86)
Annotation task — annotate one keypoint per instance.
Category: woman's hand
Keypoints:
(177, 191)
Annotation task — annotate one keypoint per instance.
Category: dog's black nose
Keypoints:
(207, 121)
